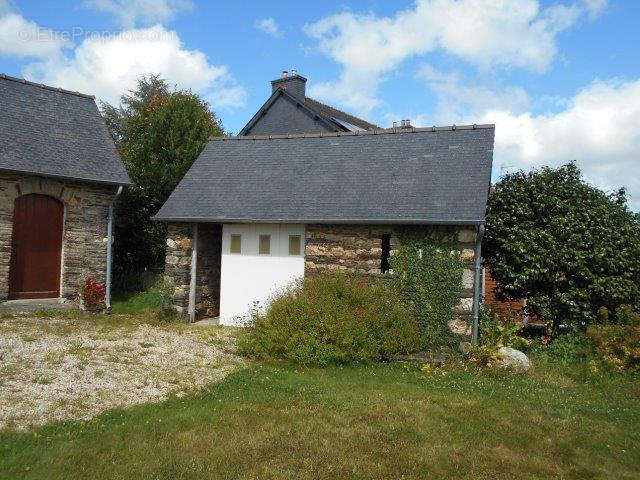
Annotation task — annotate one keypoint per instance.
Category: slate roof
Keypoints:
(404, 176)
(57, 133)
(330, 112)
(325, 113)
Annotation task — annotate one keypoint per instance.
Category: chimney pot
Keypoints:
(284, 74)
(395, 124)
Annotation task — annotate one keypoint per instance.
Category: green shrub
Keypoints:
(427, 273)
(573, 346)
(496, 332)
(332, 319)
(567, 247)
(618, 345)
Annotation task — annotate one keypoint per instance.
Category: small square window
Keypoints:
(294, 244)
(236, 244)
(264, 248)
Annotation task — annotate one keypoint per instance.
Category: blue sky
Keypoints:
(560, 79)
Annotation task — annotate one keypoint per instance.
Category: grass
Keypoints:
(134, 303)
(383, 421)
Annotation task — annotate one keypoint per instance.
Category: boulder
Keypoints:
(514, 359)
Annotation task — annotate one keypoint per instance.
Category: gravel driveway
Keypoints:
(75, 368)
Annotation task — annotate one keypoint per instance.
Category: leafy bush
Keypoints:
(427, 273)
(567, 247)
(159, 132)
(618, 345)
(92, 294)
(496, 332)
(573, 346)
(332, 319)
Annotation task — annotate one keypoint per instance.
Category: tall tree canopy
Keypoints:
(159, 133)
(567, 247)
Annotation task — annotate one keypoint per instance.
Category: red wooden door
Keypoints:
(36, 247)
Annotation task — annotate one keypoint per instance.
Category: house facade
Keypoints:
(59, 175)
(257, 211)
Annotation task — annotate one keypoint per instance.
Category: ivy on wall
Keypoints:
(427, 271)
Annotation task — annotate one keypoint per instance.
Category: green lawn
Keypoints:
(363, 422)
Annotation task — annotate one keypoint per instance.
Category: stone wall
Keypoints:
(84, 245)
(178, 267)
(357, 249)
(208, 270)
(353, 248)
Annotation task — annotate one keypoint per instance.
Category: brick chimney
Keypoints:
(291, 82)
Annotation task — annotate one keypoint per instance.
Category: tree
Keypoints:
(159, 133)
(567, 247)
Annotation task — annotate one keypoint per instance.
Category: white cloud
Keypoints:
(108, 66)
(485, 33)
(595, 7)
(268, 26)
(129, 13)
(22, 38)
(599, 129)
(457, 99)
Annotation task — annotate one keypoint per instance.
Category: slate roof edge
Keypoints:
(46, 87)
(359, 221)
(65, 177)
(271, 100)
(382, 131)
(347, 117)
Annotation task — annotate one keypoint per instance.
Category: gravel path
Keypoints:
(65, 368)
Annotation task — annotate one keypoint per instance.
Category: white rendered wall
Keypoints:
(249, 277)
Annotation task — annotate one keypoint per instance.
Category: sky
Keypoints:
(559, 79)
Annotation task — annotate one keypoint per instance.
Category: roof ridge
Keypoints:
(46, 87)
(381, 131)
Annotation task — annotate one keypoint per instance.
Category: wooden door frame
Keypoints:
(13, 256)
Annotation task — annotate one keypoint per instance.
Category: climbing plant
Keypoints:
(427, 271)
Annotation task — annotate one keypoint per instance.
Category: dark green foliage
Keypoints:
(159, 133)
(332, 319)
(566, 246)
(427, 273)
(569, 347)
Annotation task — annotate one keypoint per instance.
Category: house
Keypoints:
(255, 212)
(289, 110)
(59, 175)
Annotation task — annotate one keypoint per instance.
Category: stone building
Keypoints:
(59, 174)
(255, 212)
